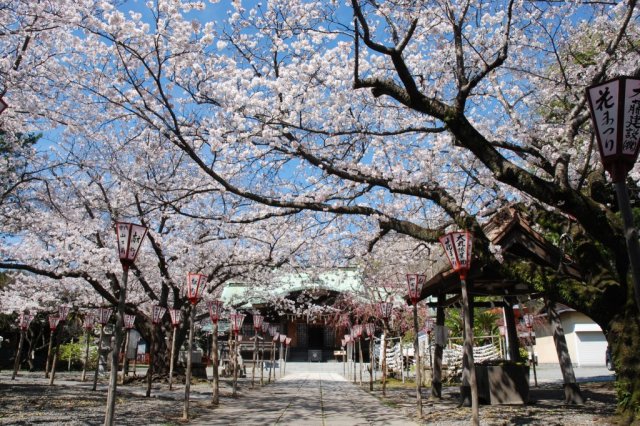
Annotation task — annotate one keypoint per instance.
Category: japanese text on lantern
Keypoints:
(605, 112)
(631, 130)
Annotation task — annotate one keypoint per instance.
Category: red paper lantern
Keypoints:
(176, 317)
(157, 313)
(385, 309)
(195, 286)
(129, 238)
(53, 322)
(63, 311)
(615, 114)
(103, 315)
(415, 283)
(215, 310)
(458, 248)
(236, 322)
(257, 321)
(129, 320)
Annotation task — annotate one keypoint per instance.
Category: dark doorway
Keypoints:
(316, 337)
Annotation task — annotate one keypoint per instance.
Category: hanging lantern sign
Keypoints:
(129, 320)
(103, 315)
(236, 321)
(615, 114)
(385, 309)
(215, 310)
(63, 311)
(344, 320)
(273, 330)
(458, 248)
(157, 314)
(265, 326)
(257, 321)
(283, 338)
(195, 286)
(370, 328)
(528, 320)
(287, 341)
(129, 238)
(176, 317)
(357, 331)
(429, 323)
(25, 320)
(88, 321)
(415, 283)
(53, 322)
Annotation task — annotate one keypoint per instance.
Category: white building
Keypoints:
(586, 342)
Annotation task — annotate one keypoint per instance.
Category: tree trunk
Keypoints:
(572, 394)
(624, 340)
(436, 382)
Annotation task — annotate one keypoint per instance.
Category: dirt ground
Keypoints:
(546, 407)
(29, 402)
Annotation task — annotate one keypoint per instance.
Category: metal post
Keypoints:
(187, 380)
(631, 236)
(52, 373)
(280, 355)
(150, 365)
(215, 381)
(361, 358)
(254, 358)
(171, 360)
(113, 380)
(16, 364)
(533, 359)
(416, 350)
(383, 342)
(262, 364)
(86, 357)
(371, 362)
(124, 357)
(95, 374)
(468, 352)
(47, 367)
(235, 366)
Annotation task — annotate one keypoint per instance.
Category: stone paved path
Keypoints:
(305, 398)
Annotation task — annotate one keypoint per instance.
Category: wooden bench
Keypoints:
(342, 354)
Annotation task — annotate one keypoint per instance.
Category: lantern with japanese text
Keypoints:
(615, 114)
(415, 283)
(129, 320)
(236, 322)
(53, 322)
(157, 313)
(195, 287)
(458, 248)
(176, 317)
(370, 328)
(103, 315)
(63, 311)
(385, 309)
(215, 310)
(130, 238)
(25, 320)
(257, 321)
(88, 321)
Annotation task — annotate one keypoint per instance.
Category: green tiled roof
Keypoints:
(340, 280)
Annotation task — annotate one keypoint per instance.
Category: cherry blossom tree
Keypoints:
(395, 117)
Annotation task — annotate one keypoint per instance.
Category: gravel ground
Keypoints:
(546, 407)
(29, 400)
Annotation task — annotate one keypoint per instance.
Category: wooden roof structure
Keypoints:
(517, 239)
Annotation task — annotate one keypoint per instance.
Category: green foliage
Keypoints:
(75, 351)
